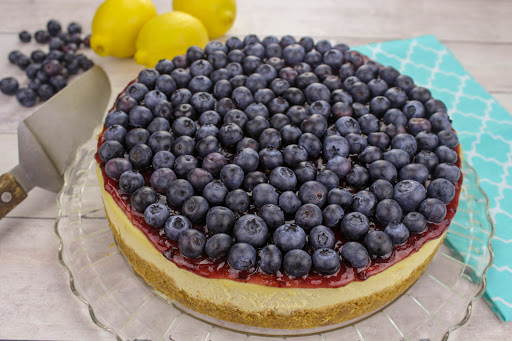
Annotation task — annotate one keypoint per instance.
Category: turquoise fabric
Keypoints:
(484, 128)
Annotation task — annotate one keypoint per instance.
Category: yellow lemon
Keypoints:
(217, 15)
(116, 25)
(168, 35)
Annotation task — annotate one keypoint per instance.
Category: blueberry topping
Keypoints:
(143, 197)
(271, 259)
(218, 245)
(356, 254)
(297, 263)
(321, 237)
(397, 232)
(415, 222)
(354, 225)
(378, 243)
(251, 229)
(326, 261)
(242, 256)
(156, 215)
(191, 243)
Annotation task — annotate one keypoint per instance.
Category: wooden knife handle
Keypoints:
(11, 194)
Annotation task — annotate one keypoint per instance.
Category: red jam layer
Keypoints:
(219, 269)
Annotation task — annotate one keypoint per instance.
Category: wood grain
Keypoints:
(34, 291)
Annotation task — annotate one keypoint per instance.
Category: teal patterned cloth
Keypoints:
(484, 128)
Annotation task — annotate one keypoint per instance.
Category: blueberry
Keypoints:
(230, 134)
(237, 200)
(378, 243)
(321, 237)
(247, 159)
(268, 72)
(148, 77)
(413, 109)
(163, 141)
(232, 176)
(41, 36)
(404, 82)
(218, 245)
(242, 256)
(254, 110)
(234, 43)
(439, 122)
(164, 66)
(255, 82)
(140, 156)
(433, 210)
(335, 146)
(419, 93)
(137, 91)
(415, 222)
(270, 40)
(311, 144)
(206, 146)
(328, 178)
(116, 117)
(191, 243)
(224, 105)
(409, 194)
(166, 84)
(9, 86)
(110, 150)
(254, 178)
(332, 215)
(354, 225)
(181, 78)
(377, 87)
(140, 116)
(382, 189)
(305, 171)
(263, 194)
(388, 211)
(379, 105)
(201, 67)
(254, 49)
(283, 178)
(180, 61)
(143, 197)
(289, 202)
(326, 261)
(308, 216)
(270, 259)
(419, 125)
(183, 145)
(279, 86)
(427, 141)
(297, 114)
(396, 117)
(156, 215)
(178, 191)
(206, 130)
(307, 43)
(272, 215)
(446, 154)
(130, 181)
(278, 105)
(414, 171)
(290, 134)
(405, 142)
(55, 43)
(447, 171)
(397, 97)
(158, 124)
(220, 220)
(288, 74)
(251, 229)
(339, 197)
(215, 45)
(313, 192)
(448, 138)
(26, 97)
(38, 56)
(347, 125)
(317, 92)
(251, 63)
(270, 137)
(297, 263)
(237, 117)
(388, 74)
(370, 154)
(294, 54)
(117, 166)
(53, 27)
(200, 84)
(31, 71)
(358, 177)
(199, 178)
(222, 88)
(441, 189)
(161, 179)
(270, 158)
(215, 192)
(356, 254)
(364, 202)
(382, 169)
(398, 157)
(247, 142)
(322, 108)
(195, 208)
(236, 56)
(397, 232)
(347, 70)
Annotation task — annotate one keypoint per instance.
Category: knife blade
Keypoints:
(49, 138)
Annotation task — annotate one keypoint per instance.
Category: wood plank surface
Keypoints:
(34, 291)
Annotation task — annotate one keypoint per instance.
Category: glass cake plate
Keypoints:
(120, 302)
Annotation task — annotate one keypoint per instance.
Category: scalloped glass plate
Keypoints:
(121, 302)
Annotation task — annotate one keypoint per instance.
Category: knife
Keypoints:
(48, 139)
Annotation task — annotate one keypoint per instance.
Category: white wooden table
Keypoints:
(35, 299)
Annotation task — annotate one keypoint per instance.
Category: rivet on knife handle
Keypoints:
(11, 194)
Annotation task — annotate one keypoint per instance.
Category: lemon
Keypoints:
(116, 25)
(168, 35)
(217, 15)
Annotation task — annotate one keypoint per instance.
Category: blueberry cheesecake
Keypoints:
(278, 183)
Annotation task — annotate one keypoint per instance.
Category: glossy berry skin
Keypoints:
(242, 256)
(283, 178)
(326, 261)
(294, 154)
(215, 192)
(178, 191)
(447, 171)
(271, 259)
(328, 178)
(382, 189)
(382, 169)
(220, 220)
(409, 194)
(354, 225)
(247, 159)
(161, 179)
(214, 162)
(398, 233)
(378, 243)
(130, 181)
(254, 178)
(251, 229)
(272, 215)
(218, 245)
(313, 192)
(270, 158)
(9, 86)
(191, 243)
(414, 171)
(237, 200)
(232, 176)
(441, 189)
(297, 263)
(175, 226)
(110, 150)
(445, 154)
(433, 210)
(398, 157)
(321, 237)
(195, 208)
(305, 171)
(263, 194)
(116, 167)
(428, 159)
(230, 134)
(289, 202)
(335, 146)
(143, 197)
(339, 197)
(356, 254)
(115, 133)
(26, 97)
(156, 215)
(415, 222)
(332, 215)
(405, 142)
(448, 138)
(140, 156)
(308, 216)
(163, 159)
(388, 211)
